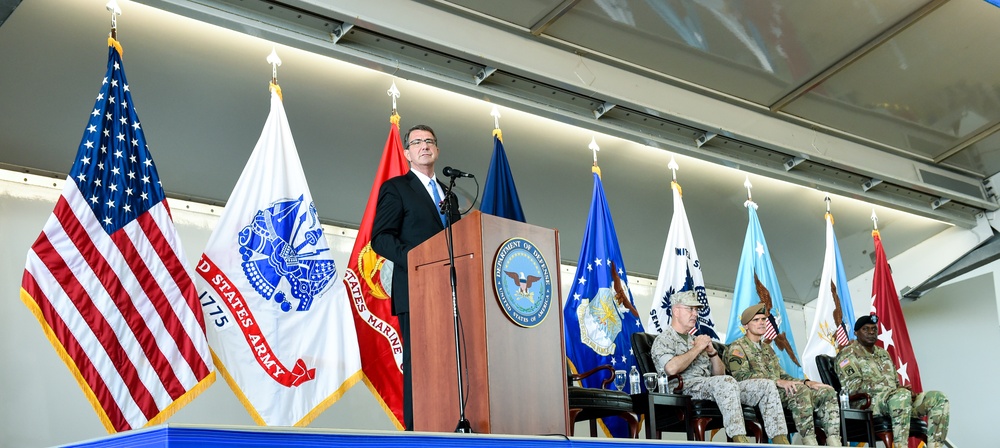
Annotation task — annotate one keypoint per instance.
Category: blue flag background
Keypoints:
(598, 329)
(500, 194)
(757, 260)
(843, 291)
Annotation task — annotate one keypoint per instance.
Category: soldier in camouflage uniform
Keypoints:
(747, 357)
(864, 367)
(677, 352)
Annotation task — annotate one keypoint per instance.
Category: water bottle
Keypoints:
(844, 402)
(633, 381)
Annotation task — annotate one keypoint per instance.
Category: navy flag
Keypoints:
(500, 194)
(680, 270)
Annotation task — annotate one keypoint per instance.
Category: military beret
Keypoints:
(865, 320)
(749, 313)
(688, 298)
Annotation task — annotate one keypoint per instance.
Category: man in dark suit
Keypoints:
(408, 213)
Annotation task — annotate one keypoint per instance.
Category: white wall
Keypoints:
(42, 405)
(41, 402)
(953, 328)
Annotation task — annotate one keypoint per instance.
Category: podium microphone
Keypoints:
(452, 172)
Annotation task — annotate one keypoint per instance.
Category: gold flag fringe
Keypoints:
(112, 42)
(165, 414)
(276, 89)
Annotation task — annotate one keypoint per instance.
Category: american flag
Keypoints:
(771, 330)
(107, 277)
(841, 335)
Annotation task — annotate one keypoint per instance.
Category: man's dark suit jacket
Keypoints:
(405, 216)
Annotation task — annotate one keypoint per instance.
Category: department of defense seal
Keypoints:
(522, 282)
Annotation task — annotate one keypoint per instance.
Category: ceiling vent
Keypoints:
(938, 180)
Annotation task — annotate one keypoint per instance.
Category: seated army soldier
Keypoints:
(676, 351)
(748, 357)
(864, 367)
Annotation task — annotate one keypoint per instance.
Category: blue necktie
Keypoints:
(437, 201)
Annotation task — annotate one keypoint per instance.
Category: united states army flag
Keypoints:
(277, 312)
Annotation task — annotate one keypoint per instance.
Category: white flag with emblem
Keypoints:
(834, 309)
(276, 310)
(680, 270)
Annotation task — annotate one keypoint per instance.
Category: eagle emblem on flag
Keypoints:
(282, 242)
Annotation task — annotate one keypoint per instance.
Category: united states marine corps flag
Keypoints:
(369, 280)
(278, 315)
(107, 277)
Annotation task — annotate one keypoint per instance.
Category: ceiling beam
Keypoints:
(982, 255)
(968, 142)
(7, 8)
(539, 27)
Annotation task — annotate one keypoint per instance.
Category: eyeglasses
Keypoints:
(427, 141)
(687, 308)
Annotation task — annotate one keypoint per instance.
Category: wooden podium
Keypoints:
(514, 376)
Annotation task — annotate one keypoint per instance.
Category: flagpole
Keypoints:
(112, 6)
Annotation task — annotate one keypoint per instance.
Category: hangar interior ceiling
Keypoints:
(887, 104)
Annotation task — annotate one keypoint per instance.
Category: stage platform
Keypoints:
(185, 436)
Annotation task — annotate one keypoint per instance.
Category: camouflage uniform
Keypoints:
(723, 389)
(874, 374)
(746, 359)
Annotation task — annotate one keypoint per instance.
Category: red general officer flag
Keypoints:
(892, 334)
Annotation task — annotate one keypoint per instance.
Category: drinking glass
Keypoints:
(649, 379)
(620, 379)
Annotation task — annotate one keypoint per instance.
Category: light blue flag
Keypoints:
(500, 195)
(844, 293)
(599, 322)
(756, 282)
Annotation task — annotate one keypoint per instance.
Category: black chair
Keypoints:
(879, 426)
(696, 416)
(591, 404)
(790, 423)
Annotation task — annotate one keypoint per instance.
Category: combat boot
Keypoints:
(780, 440)
(741, 439)
(810, 440)
(834, 441)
